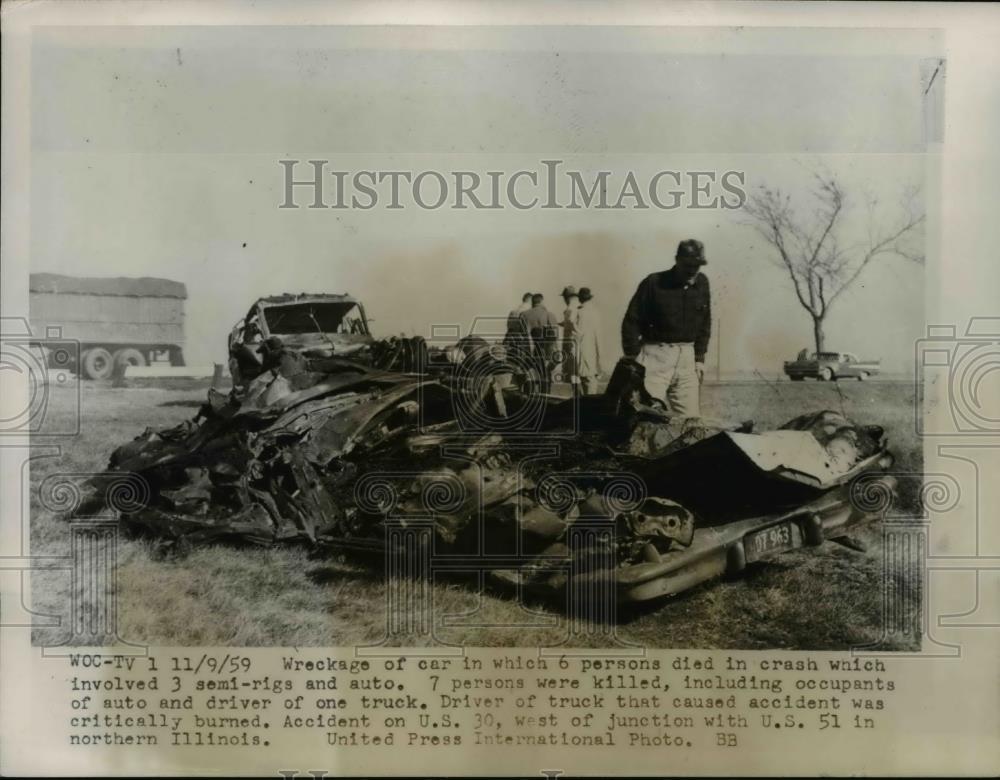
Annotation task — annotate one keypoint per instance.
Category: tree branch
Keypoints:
(820, 266)
(886, 245)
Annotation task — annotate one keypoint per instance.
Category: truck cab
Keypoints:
(320, 325)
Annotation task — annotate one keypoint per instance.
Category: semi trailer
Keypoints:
(133, 321)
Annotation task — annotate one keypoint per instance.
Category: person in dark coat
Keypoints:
(543, 329)
(667, 327)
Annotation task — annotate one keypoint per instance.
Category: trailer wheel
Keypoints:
(97, 363)
(862, 376)
(130, 357)
(176, 356)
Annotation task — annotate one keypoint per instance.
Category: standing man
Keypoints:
(588, 343)
(667, 327)
(514, 325)
(567, 365)
(543, 328)
(517, 343)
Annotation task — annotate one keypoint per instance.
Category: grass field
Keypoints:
(826, 598)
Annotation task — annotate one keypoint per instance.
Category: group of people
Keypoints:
(666, 330)
(544, 345)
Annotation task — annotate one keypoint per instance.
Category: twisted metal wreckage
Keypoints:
(338, 452)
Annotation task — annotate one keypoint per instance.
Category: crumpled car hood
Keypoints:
(792, 455)
(332, 343)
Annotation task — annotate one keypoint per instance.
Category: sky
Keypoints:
(155, 153)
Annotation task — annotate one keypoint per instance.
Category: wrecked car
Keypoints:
(317, 325)
(540, 493)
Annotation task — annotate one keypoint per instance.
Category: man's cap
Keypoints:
(569, 291)
(585, 294)
(691, 248)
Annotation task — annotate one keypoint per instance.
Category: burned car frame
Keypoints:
(318, 325)
(454, 464)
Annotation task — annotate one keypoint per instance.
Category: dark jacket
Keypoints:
(540, 323)
(516, 328)
(665, 310)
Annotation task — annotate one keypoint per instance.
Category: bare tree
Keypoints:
(812, 249)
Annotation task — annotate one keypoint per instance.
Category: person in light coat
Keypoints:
(567, 354)
(588, 337)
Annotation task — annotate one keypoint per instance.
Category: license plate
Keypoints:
(775, 539)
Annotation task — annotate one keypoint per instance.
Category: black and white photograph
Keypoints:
(586, 336)
(339, 323)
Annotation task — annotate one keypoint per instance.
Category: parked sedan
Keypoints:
(830, 366)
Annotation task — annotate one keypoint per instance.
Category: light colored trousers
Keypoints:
(671, 376)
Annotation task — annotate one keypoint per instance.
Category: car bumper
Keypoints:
(725, 550)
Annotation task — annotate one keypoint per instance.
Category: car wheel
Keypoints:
(97, 363)
(862, 376)
(825, 375)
